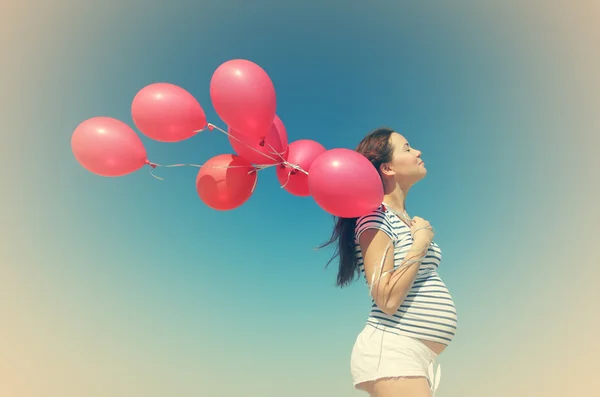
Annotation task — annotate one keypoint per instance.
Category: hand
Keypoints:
(421, 230)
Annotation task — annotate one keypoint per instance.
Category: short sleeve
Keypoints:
(375, 220)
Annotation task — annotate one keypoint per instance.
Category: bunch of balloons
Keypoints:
(342, 182)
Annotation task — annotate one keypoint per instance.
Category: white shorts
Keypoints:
(382, 353)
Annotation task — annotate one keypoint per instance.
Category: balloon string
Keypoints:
(256, 168)
(154, 165)
(287, 180)
(239, 140)
(406, 263)
(284, 162)
(273, 151)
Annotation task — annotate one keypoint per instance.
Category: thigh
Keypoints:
(410, 386)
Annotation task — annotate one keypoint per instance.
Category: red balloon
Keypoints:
(344, 183)
(243, 96)
(108, 147)
(301, 153)
(167, 113)
(270, 149)
(226, 182)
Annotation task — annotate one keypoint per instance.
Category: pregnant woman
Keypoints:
(413, 317)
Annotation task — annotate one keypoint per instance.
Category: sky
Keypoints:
(132, 286)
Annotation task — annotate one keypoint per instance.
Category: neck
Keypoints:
(396, 198)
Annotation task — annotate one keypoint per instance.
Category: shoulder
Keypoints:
(379, 219)
(378, 215)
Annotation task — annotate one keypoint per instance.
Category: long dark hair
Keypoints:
(376, 147)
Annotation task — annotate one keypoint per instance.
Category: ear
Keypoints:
(386, 169)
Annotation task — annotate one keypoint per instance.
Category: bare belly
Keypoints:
(435, 346)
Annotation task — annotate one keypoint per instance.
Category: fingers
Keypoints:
(419, 222)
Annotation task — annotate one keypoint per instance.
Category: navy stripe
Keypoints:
(420, 334)
(443, 291)
(422, 304)
(430, 296)
(453, 319)
(404, 318)
(391, 330)
(436, 329)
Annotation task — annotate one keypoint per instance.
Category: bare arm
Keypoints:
(390, 290)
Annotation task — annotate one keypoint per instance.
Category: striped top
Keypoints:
(428, 312)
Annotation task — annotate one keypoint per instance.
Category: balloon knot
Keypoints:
(293, 172)
(211, 127)
(262, 141)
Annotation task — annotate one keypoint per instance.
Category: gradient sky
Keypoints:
(133, 287)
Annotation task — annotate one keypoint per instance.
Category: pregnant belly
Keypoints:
(436, 347)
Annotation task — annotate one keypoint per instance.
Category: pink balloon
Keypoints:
(301, 153)
(108, 147)
(243, 96)
(270, 149)
(344, 183)
(167, 113)
(226, 182)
